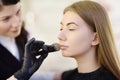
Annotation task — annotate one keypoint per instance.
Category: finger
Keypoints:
(38, 44)
(27, 55)
(30, 41)
(42, 57)
(41, 52)
(38, 62)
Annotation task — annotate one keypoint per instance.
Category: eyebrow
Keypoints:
(69, 23)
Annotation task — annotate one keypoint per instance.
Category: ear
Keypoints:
(95, 40)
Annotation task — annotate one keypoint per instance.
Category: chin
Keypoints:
(66, 54)
(14, 36)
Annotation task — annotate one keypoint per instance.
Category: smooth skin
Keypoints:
(78, 41)
(10, 20)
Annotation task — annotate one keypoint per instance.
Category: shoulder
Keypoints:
(106, 74)
(67, 75)
(100, 74)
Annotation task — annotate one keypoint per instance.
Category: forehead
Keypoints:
(71, 16)
(9, 9)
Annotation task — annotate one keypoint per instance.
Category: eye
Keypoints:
(71, 29)
(6, 19)
(61, 29)
(18, 12)
(71, 26)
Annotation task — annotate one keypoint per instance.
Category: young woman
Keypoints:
(13, 37)
(86, 36)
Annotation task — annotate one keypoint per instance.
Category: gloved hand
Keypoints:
(31, 62)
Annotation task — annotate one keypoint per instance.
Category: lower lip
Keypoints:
(15, 31)
(63, 48)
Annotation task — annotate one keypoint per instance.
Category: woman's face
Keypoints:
(10, 20)
(75, 37)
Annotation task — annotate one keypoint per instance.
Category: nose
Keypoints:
(16, 21)
(62, 36)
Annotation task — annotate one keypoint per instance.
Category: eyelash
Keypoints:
(71, 29)
(61, 29)
(18, 13)
(68, 29)
(6, 19)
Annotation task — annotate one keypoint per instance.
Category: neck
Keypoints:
(87, 63)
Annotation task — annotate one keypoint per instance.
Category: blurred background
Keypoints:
(43, 18)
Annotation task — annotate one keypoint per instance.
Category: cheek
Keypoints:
(79, 43)
(4, 28)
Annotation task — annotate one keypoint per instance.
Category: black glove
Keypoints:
(31, 62)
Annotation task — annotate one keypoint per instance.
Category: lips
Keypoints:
(15, 30)
(63, 47)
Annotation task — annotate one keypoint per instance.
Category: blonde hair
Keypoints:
(96, 17)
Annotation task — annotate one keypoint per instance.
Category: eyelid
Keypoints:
(72, 26)
(19, 11)
(61, 29)
(72, 29)
(6, 18)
